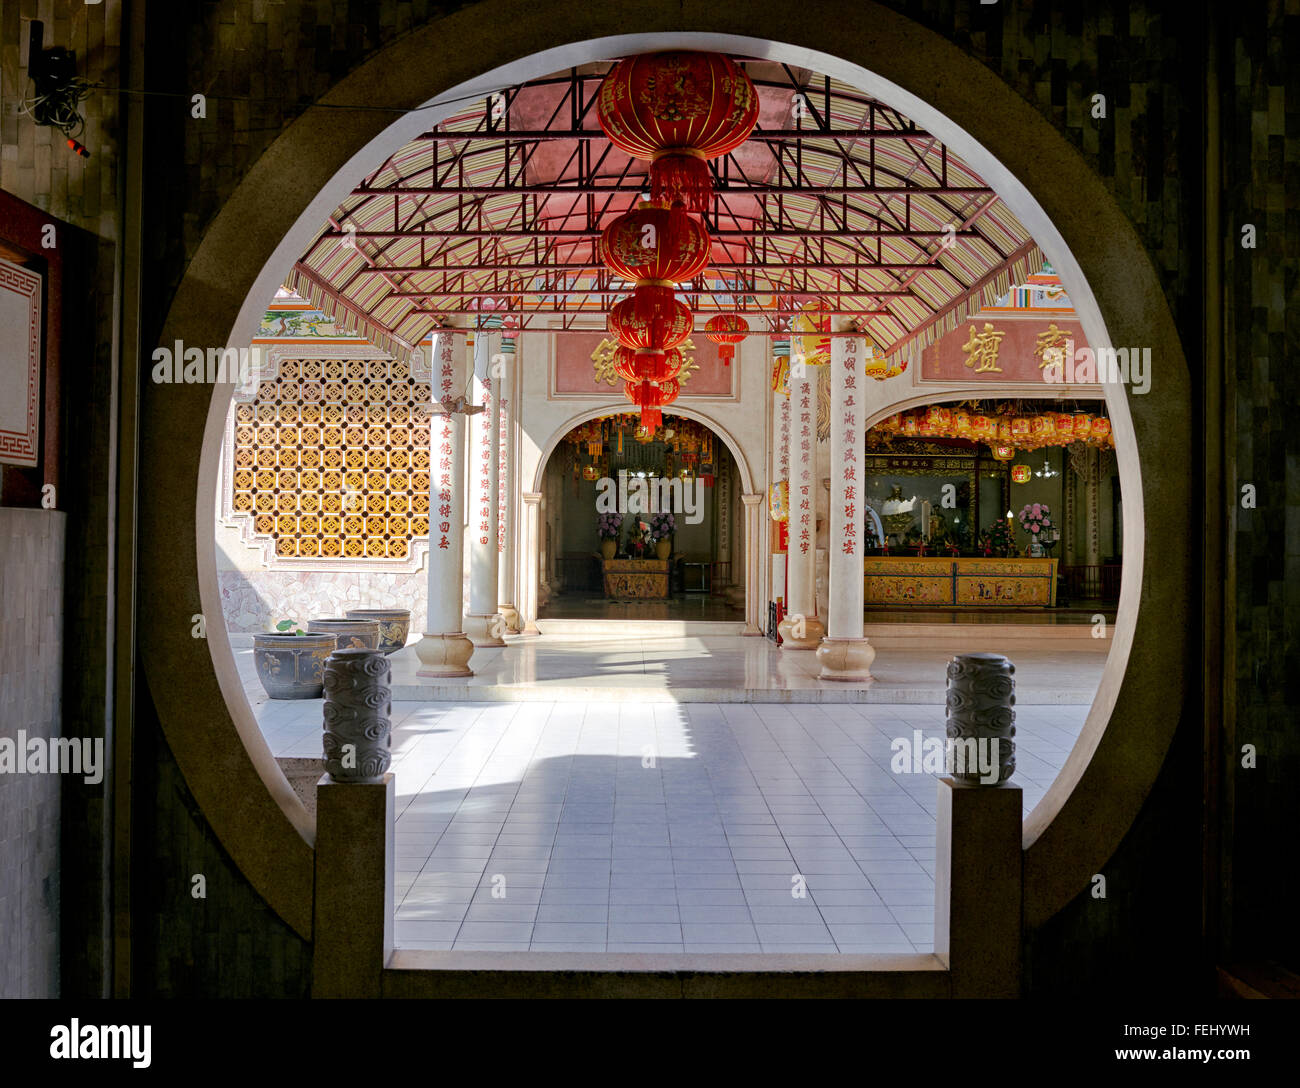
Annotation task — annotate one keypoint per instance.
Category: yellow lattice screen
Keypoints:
(332, 459)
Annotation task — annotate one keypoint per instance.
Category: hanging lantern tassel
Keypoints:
(652, 419)
(680, 175)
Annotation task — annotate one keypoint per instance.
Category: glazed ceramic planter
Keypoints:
(291, 666)
(981, 719)
(608, 547)
(663, 548)
(357, 716)
(352, 634)
(394, 625)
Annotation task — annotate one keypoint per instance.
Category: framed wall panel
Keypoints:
(20, 365)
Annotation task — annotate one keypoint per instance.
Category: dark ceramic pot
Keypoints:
(291, 666)
(352, 634)
(394, 625)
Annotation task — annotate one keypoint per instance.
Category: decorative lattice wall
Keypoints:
(331, 459)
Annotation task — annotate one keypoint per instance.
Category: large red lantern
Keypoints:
(678, 110)
(635, 367)
(726, 330)
(653, 245)
(652, 328)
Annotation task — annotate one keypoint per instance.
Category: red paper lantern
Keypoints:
(650, 398)
(644, 322)
(632, 366)
(726, 330)
(678, 110)
(652, 245)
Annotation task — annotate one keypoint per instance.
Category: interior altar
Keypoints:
(969, 582)
(636, 579)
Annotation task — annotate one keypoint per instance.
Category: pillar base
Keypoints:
(485, 630)
(511, 615)
(444, 654)
(810, 634)
(845, 659)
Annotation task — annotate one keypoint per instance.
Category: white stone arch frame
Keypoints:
(675, 409)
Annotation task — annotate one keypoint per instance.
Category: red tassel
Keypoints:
(682, 179)
(725, 352)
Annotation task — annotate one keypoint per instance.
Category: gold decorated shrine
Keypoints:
(636, 579)
(939, 581)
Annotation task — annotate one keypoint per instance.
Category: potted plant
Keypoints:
(290, 662)
(662, 527)
(608, 528)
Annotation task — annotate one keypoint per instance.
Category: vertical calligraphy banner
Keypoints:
(848, 376)
(445, 432)
(803, 389)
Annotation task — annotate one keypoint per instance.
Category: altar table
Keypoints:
(636, 579)
(942, 580)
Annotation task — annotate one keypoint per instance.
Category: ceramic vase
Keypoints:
(352, 634)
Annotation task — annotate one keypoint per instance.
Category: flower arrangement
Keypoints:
(1034, 518)
(996, 540)
(608, 526)
(639, 539)
(662, 525)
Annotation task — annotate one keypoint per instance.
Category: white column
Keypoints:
(532, 560)
(507, 487)
(444, 650)
(801, 629)
(483, 624)
(844, 653)
(755, 549)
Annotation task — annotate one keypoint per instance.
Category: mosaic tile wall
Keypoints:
(332, 459)
(37, 166)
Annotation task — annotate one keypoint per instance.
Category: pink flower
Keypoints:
(1037, 510)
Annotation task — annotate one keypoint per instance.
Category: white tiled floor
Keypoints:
(660, 827)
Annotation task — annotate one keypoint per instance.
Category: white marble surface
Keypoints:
(659, 827)
(728, 668)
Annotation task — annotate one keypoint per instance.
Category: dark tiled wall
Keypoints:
(1260, 90)
(267, 59)
(225, 942)
(31, 666)
(37, 166)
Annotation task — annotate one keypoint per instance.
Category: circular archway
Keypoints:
(297, 182)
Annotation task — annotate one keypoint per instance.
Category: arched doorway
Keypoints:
(1059, 855)
(618, 501)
